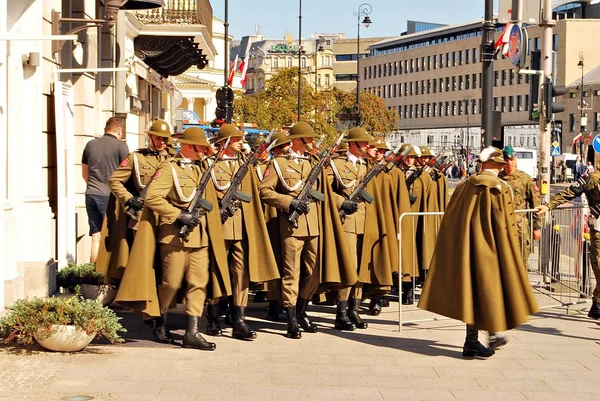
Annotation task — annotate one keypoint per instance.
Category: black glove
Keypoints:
(135, 202)
(189, 219)
(226, 213)
(349, 206)
(300, 206)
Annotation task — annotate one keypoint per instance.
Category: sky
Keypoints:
(276, 17)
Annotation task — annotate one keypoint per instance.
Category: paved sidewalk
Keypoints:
(556, 356)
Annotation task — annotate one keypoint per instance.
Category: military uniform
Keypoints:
(591, 188)
(128, 185)
(300, 274)
(526, 196)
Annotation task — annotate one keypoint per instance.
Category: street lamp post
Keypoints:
(583, 119)
(299, 58)
(363, 10)
(318, 49)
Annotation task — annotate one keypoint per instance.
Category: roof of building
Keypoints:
(591, 78)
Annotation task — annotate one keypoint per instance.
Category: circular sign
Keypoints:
(515, 41)
(596, 143)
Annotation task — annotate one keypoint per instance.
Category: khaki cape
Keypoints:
(477, 273)
(115, 243)
(138, 286)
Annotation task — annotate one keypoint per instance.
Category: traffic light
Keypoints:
(224, 110)
(550, 92)
(534, 86)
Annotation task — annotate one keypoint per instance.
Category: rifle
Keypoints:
(133, 213)
(315, 148)
(230, 202)
(307, 191)
(198, 203)
(414, 176)
(360, 192)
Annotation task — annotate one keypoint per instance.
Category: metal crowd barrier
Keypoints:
(558, 266)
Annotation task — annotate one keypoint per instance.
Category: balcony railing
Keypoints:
(191, 12)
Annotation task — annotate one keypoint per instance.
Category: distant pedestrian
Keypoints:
(578, 169)
(101, 157)
(590, 168)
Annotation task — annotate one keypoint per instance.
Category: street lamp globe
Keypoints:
(367, 21)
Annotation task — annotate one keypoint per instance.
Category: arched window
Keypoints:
(275, 62)
(303, 62)
(288, 62)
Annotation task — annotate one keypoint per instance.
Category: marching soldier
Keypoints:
(245, 233)
(590, 186)
(169, 195)
(128, 186)
(440, 187)
(526, 196)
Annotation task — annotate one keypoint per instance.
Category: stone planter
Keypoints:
(66, 339)
(105, 293)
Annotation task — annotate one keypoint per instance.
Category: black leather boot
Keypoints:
(375, 307)
(594, 312)
(161, 330)
(193, 338)
(472, 345)
(273, 312)
(341, 318)
(303, 320)
(353, 306)
(293, 331)
(260, 296)
(496, 341)
(408, 297)
(213, 328)
(384, 302)
(241, 331)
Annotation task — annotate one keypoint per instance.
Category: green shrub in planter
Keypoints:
(73, 275)
(38, 315)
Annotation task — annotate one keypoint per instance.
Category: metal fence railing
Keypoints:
(558, 264)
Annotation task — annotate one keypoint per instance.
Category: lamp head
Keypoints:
(367, 21)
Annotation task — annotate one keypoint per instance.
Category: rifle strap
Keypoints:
(285, 184)
(220, 188)
(178, 187)
(351, 184)
(136, 170)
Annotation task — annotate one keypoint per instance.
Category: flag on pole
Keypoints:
(502, 42)
(232, 70)
(243, 69)
(577, 138)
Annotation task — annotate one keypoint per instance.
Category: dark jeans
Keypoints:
(95, 205)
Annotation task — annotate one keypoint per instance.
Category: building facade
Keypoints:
(56, 95)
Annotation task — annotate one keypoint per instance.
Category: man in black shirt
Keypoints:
(101, 157)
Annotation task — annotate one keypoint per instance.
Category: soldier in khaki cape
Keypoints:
(246, 238)
(440, 185)
(128, 184)
(526, 196)
(299, 246)
(348, 170)
(590, 186)
(477, 273)
(169, 194)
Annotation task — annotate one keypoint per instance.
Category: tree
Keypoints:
(277, 106)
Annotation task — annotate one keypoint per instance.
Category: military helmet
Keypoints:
(425, 151)
(193, 136)
(491, 153)
(414, 151)
(508, 152)
(302, 130)
(380, 144)
(160, 128)
(281, 137)
(226, 131)
(358, 134)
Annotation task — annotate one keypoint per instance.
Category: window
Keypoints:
(519, 79)
(503, 101)
(460, 82)
(434, 61)
(379, 71)
(395, 68)
(303, 62)
(454, 107)
(441, 85)
(441, 109)
(447, 108)
(495, 103)
(503, 77)
(453, 83)
(496, 78)
(417, 109)
(370, 72)
(467, 55)
(395, 91)
(526, 102)
(480, 75)
(511, 104)
(429, 140)
(571, 122)
(519, 103)
(460, 57)
(434, 85)
(447, 84)
(365, 73)
(596, 121)
(275, 62)
(467, 82)
(474, 77)
(453, 59)
(447, 59)
(511, 80)
(288, 62)
(460, 108)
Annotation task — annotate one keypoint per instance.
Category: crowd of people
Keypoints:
(203, 221)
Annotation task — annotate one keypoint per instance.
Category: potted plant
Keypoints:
(59, 323)
(88, 280)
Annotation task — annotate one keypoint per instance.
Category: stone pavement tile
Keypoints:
(380, 382)
(309, 358)
(416, 395)
(403, 371)
(572, 386)
(68, 386)
(446, 383)
(558, 365)
(272, 391)
(578, 375)
(533, 374)
(346, 393)
(364, 360)
(155, 373)
(154, 397)
(312, 379)
(251, 377)
(474, 372)
(562, 354)
(513, 351)
(98, 373)
(555, 396)
(501, 384)
(290, 366)
(462, 395)
(124, 387)
(591, 365)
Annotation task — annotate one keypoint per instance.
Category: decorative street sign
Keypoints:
(555, 151)
(597, 143)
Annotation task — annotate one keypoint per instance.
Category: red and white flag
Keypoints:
(577, 138)
(232, 70)
(503, 40)
(243, 69)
